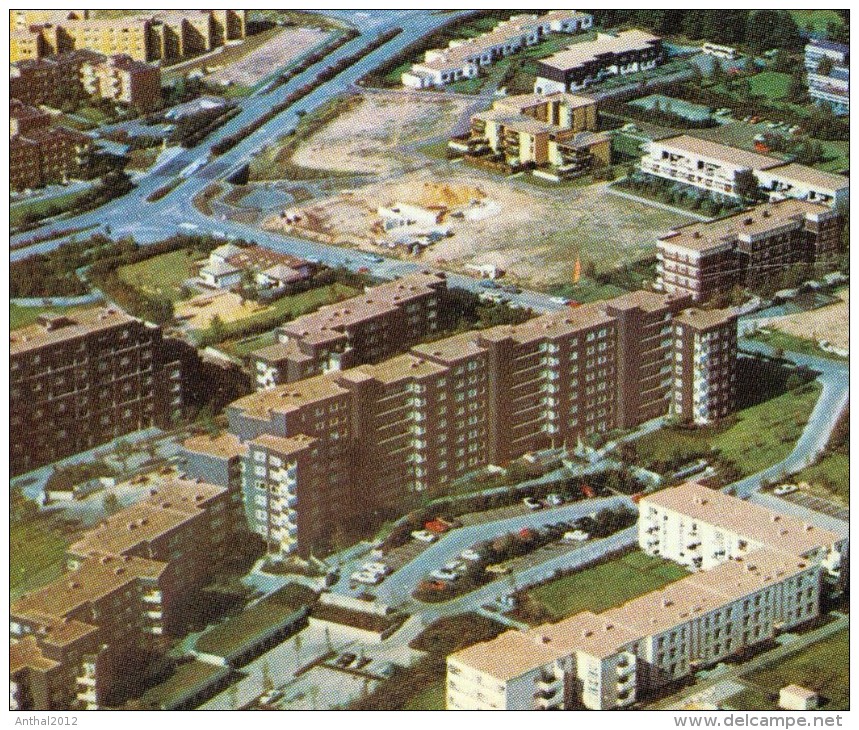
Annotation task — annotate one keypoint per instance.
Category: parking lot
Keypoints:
(819, 505)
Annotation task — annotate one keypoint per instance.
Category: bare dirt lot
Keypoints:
(283, 48)
(199, 311)
(535, 233)
(370, 138)
(830, 323)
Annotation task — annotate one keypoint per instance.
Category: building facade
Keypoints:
(373, 436)
(715, 168)
(610, 54)
(44, 155)
(755, 573)
(80, 380)
(707, 260)
(829, 86)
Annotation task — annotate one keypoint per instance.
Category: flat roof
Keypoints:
(527, 101)
(188, 680)
(704, 319)
(281, 352)
(402, 367)
(289, 397)
(554, 324)
(451, 349)
(646, 300)
(775, 530)
(810, 176)
(720, 152)
(26, 654)
(224, 444)
(509, 655)
(284, 445)
(74, 323)
(579, 54)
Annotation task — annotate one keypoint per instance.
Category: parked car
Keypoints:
(532, 503)
(497, 569)
(379, 568)
(488, 284)
(455, 566)
(470, 555)
(362, 576)
(272, 696)
(372, 257)
(555, 499)
(511, 289)
(561, 300)
(785, 489)
(424, 536)
(386, 670)
(576, 536)
(446, 575)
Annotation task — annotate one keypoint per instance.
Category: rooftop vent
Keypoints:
(748, 221)
(696, 234)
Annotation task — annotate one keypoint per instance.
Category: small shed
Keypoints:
(794, 697)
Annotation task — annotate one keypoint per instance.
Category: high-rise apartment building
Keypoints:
(81, 379)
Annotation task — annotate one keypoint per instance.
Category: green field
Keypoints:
(817, 19)
(431, 698)
(607, 585)
(821, 666)
(162, 275)
(761, 435)
(771, 84)
(829, 478)
(245, 346)
(23, 316)
(792, 343)
(42, 208)
(37, 553)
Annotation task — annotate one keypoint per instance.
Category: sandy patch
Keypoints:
(198, 312)
(830, 323)
(366, 139)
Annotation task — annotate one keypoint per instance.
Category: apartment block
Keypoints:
(714, 167)
(130, 582)
(705, 365)
(610, 54)
(166, 35)
(374, 435)
(383, 321)
(43, 154)
(82, 379)
(556, 131)
(831, 88)
(121, 78)
(759, 573)
(707, 260)
(463, 58)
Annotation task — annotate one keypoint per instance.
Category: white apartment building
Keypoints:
(463, 58)
(714, 167)
(756, 573)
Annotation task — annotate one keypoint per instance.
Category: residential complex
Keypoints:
(40, 154)
(714, 167)
(167, 35)
(386, 319)
(757, 573)
(463, 58)
(706, 260)
(131, 581)
(230, 265)
(833, 86)
(340, 445)
(610, 54)
(556, 131)
(81, 379)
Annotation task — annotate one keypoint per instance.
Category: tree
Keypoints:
(746, 185)
(111, 504)
(784, 62)
(824, 67)
(217, 329)
(797, 89)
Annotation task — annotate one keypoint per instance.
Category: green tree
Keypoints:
(797, 89)
(746, 185)
(824, 67)
(111, 504)
(217, 329)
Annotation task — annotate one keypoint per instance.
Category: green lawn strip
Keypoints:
(42, 208)
(243, 347)
(285, 309)
(792, 343)
(37, 553)
(238, 631)
(607, 585)
(819, 20)
(161, 275)
(751, 700)
(836, 156)
(821, 666)
(23, 316)
(431, 698)
(771, 84)
(829, 478)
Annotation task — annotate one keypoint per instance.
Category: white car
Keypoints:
(366, 578)
(455, 566)
(785, 489)
(424, 536)
(470, 555)
(532, 504)
(376, 568)
(561, 300)
(576, 536)
(444, 575)
(555, 499)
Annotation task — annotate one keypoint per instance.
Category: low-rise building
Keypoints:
(587, 63)
(832, 87)
(715, 168)
(707, 260)
(757, 573)
(464, 58)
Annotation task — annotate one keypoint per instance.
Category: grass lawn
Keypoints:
(245, 346)
(42, 208)
(836, 156)
(821, 666)
(607, 585)
(143, 159)
(431, 698)
(829, 478)
(23, 316)
(96, 116)
(817, 19)
(37, 553)
(758, 437)
(771, 84)
(792, 343)
(588, 291)
(162, 275)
